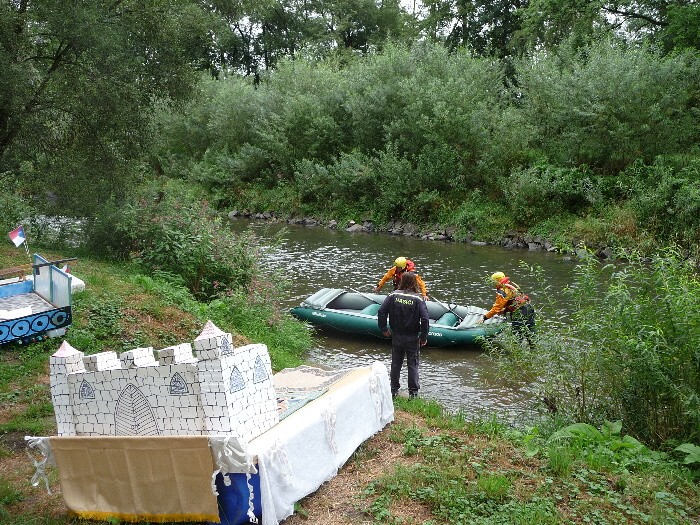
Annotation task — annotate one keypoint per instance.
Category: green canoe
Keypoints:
(356, 312)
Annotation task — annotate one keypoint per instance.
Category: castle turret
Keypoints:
(67, 360)
(211, 345)
(237, 390)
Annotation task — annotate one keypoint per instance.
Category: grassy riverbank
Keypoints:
(427, 467)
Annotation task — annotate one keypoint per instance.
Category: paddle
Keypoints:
(447, 306)
(364, 295)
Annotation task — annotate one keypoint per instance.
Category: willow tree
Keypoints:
(77, 82)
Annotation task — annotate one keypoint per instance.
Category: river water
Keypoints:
(458, 378)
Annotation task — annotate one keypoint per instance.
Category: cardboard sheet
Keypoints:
(156, 479)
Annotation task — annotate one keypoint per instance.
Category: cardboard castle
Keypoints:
(221, 390)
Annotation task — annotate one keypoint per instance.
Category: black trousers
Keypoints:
(408, 347)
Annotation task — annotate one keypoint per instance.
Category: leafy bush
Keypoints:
(111, 232)
(349, 182)
(487, 220)
(395, 191)
(533, 194)
(606, 445)
(666, 200)
(609, 105)
(692, 453)
(630, 353)
(191, 241)
(169, 229)
(392, 126)
(387, 187)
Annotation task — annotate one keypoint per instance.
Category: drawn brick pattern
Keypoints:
(176, 393)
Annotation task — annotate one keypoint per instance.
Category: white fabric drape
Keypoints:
(307, 448)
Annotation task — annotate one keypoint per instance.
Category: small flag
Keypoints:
(17, 236)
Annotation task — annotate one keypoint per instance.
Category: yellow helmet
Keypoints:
(498, 277)
(400, 262)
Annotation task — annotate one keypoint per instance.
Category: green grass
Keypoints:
(560, 461)
(484, 473)
(37, 419)
(8, 493)
(492, 486)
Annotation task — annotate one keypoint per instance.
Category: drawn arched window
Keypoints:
(178, 386)
(237, 381)
(133, 415)
(260, 371)
(226, 347)
(86, 391)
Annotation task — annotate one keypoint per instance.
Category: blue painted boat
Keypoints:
(36, 308)
(355, 312)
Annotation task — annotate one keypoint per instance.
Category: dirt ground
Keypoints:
(339, 501)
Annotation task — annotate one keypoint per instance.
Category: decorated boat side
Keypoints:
(202, 431)
(355, 312)
(34, 307)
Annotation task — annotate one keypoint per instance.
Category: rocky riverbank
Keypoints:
(511, 240)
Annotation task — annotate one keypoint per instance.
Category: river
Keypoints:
(458, 378)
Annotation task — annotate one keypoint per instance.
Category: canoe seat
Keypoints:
(447, 319)
(370, 309)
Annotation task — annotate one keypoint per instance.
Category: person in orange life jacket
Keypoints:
(512, 301)
(409, 322)
(401, 265)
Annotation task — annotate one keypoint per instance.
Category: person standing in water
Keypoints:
(511, 301)
(409, 322)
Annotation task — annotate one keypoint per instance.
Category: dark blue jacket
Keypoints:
(407, 313)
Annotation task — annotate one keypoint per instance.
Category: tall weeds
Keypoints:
(631, 352)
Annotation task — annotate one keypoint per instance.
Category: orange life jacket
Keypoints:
(410, 267)
(516, 298)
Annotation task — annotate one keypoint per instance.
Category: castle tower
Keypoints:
(66, 360)
(258, 399)
(237, 390)
(211, 344)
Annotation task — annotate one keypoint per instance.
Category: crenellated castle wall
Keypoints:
(216, 390)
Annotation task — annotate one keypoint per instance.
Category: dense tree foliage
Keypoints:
(505, 28)
(610, 105)
(422, 134)
(448, 110)
(486, 27)
(251, 37)
(77, 81)
(549, 22)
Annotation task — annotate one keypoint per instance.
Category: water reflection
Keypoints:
(461, 378)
